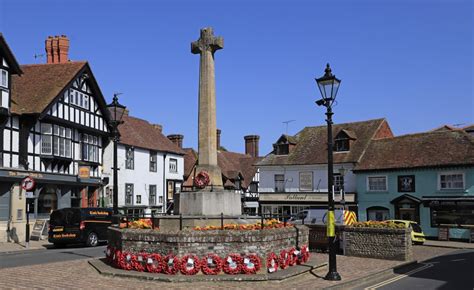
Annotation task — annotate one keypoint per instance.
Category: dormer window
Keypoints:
(282, 149)
(341, 145)
(284, 145)
(342, 142)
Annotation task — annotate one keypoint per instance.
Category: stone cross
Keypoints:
(206, 45)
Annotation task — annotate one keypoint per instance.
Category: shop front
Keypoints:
(289, 204)
(456, 213)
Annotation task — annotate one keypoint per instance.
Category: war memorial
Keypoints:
(209, 237)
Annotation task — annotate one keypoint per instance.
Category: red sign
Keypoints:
(28, 183)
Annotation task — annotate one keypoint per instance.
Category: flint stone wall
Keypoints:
(389, 244)
(220, 242)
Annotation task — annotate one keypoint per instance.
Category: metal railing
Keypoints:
(157, 217)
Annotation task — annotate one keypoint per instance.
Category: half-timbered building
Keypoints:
(56, 129)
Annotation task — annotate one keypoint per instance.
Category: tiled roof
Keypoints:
(469, 128)
(39, 84)
(140, 133)
(232, 165)
(10, 57)
(311, 144)
(430, 149)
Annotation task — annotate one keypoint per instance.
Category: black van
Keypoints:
(79, 225)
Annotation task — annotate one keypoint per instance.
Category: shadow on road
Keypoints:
(455, 270)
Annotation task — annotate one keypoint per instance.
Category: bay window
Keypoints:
(90, 148)
(56, 140)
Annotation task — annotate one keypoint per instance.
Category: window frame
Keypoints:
(275, 182)
(153, 163)
(446, 173)
(129, 159)
(2, 71)
(90, 146)
(377, 176)
(129, 195)
(61, 143)
(151, 193)
(338, 141)
(170, 162)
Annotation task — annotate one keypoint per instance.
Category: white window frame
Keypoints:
(173, 169)
(452, 173)
(377, 176)
(2, 80)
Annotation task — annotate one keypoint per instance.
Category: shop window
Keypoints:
(451, 181)
(378, 213)
(451, 213)
(377, 183)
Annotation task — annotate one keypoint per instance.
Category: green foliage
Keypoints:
(378, 225)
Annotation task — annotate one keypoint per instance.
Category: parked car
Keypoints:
(79, 225)
(417, 235)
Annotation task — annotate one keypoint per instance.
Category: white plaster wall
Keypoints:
(141, 176)
(267, 177)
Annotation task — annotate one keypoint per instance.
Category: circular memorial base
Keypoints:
(269, 250)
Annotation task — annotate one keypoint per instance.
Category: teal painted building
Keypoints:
(426, 177)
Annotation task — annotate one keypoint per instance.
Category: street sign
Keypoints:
(28, 183)
(30, 194)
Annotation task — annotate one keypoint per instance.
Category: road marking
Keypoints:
(457, 260)
(401, 276)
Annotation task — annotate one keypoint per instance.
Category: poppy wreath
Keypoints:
(109, 254)
(293, 257)
(284, 260)
(202, 179)
(190, 265)
(154, 263)
(211, 264)
(126, 261)
(253, 264)
(272, 262)
(305, 253)
(232, 264)
(170, 264)
(139, 262)
(116, 258)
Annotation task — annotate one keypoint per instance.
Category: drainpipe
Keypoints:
(165, 195)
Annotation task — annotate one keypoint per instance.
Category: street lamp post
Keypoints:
(116, 111)
(328, 86)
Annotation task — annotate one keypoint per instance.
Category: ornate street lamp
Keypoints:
(116, 111)
(328, 86)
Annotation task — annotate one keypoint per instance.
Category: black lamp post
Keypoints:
(328, 86)
(116, 111)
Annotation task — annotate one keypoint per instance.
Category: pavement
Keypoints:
(79, 274)
(449, 244)
(20, 247)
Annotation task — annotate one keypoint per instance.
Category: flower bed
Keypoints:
(210, 264)
(267, 224)
(378, 225)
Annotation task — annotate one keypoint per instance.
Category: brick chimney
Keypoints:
(57, 49)
(251, 145)
(218, 136)
(176, 139)
(158, 127)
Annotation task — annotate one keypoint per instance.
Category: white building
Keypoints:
(151, 168)
(294, 175)
(53, 130)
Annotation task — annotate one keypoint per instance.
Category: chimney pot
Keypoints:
(57, 49)
(158, 127)
(251, 145)
(177, 139)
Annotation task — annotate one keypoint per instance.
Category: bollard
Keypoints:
(261, 221)
(180, 222)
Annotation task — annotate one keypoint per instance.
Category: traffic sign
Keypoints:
(28, 183)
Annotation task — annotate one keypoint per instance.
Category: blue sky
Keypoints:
(408, 61)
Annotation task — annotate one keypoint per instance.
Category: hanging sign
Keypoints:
(84, 171)
(28, 183)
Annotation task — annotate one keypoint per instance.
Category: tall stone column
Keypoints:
(206, 46)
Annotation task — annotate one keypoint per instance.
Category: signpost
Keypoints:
(27, 184)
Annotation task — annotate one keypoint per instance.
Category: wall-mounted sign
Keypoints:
(406, 183)
(84, 171)
(295, 197)
(28, 183)
(306, 181)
